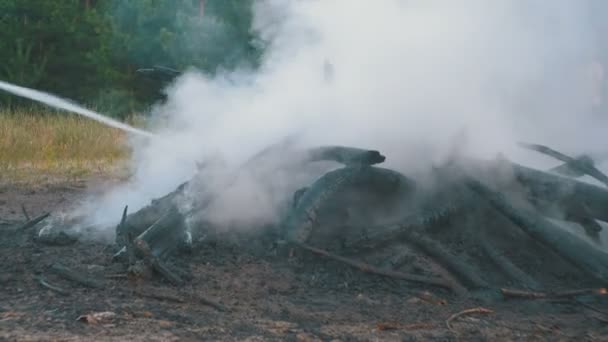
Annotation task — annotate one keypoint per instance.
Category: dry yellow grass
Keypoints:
(55, 146)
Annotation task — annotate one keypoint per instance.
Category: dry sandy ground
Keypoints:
(265, 297)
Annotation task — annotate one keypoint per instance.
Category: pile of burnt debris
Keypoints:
(484, 227)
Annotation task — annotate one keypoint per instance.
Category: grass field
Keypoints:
(50, 146)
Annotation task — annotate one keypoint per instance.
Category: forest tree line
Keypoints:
(90, 50)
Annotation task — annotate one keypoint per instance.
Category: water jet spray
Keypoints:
(59, 103)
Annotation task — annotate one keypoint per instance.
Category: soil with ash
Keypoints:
(263, 296)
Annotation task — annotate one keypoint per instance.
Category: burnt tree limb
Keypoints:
(521, 294)
(506, 266)
(451, 262)
(34, 221)
(546, 190)
(164, 236)
(349, 156)
(302, 220)
(587, 258)
(433, 281)
(54, 288)
(576, 167)
(137, 222)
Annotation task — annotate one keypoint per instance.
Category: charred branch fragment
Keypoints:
(521, 294)
(302, 220)
(33, 222)
(371, 269)
(576, 167)
(76, 277)
(507, 267)
(452, 263)
(166, 234)
(54, 288)
(567, 194)
(478, 310)
(25, 214)
(178, 299)
(588, 259)
(349, 156)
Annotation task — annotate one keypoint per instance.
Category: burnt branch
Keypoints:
(76, 277)
(371, 269)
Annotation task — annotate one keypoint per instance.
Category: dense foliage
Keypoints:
(89, 50)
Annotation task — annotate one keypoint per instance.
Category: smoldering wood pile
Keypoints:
(482, 227)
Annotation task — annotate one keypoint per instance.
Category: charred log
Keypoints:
(588, 259)
(163, 237)
(76, 277)
(506, 266)
(33, 222)
(300, 223)
(568, 194)
(575, 167)
(349, 156)
(454, 264)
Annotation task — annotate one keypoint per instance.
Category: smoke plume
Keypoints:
(414, 79)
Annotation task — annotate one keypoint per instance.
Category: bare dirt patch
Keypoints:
(265, 296)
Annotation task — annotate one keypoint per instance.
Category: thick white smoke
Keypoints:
(409, 78)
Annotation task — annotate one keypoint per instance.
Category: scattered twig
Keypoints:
(478, 310)
(104, 317)
(176, 299)
(211, 303)
(75, 277)
(459, 268)
(160, 296)
(57, 289)
(591, 307)
(27, 217)
(549, 330)
(128, 241)
(33, 222)
(396, 325)
(117, 276)
(430, 298)
(371, 269)
(601, 319)
(506, 266)
(521, 294)
(582, 165)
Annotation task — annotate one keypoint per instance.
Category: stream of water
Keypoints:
(59, 103)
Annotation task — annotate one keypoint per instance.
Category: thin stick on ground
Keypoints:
(33, 222)
(458, 267)
(371, 269)
(57, 289)
(160, 296)
(478, 310)
(522, 294)
(176, 299)
(585, 305)
(27, 217)
(117, 276)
